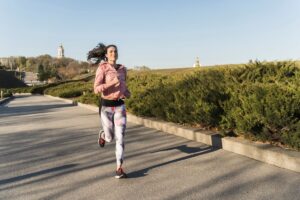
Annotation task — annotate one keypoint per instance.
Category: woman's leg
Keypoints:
(120, 126)
(101, 129)
(107, 114)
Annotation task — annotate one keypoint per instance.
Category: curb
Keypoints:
(266, 153)
(72, 102)
(207, 137)
(5, 100)
(87, 106)
(23, 94)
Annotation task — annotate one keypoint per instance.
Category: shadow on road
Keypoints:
(194, 151)
(25, 110)
(42, 172)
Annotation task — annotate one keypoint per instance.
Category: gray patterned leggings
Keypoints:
(113, 121)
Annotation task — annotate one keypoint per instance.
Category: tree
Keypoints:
(42, 73)
(30, 65)
(2, 66)
(21, 60)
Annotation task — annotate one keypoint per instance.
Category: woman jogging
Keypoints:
(110, 81)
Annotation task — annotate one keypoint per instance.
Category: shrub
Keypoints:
(6, 93)
(89, 98)
(264, 111)
(69, 90)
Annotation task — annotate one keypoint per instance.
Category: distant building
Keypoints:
(60, 51)
(197, 63)
(31, 79)
(141, 68)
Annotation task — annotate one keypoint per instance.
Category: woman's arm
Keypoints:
(99, 85)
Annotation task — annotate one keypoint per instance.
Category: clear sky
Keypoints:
(155, 33)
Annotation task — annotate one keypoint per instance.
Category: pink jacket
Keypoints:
(106, 73)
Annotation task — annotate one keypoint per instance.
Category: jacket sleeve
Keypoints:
(99, 85)
(127, 92)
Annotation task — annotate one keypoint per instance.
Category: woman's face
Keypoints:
(112, 54)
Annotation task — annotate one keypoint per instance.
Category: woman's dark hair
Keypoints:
(98, 53)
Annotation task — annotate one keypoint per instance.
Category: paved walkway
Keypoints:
(48, 150)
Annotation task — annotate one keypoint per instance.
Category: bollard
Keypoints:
(1, 94)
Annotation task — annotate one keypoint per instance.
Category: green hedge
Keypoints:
(89, 98)
(6, 92)
(264, 111)
(69, 90)
(20, 90)
(258, 100)
(191, 99)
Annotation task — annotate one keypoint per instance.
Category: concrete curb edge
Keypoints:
(5, 100)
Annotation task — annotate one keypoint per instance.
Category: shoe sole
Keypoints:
(122, 176)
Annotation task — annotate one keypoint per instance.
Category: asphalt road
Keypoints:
(48, 150)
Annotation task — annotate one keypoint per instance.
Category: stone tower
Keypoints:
(197, 63)
(60, 51)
